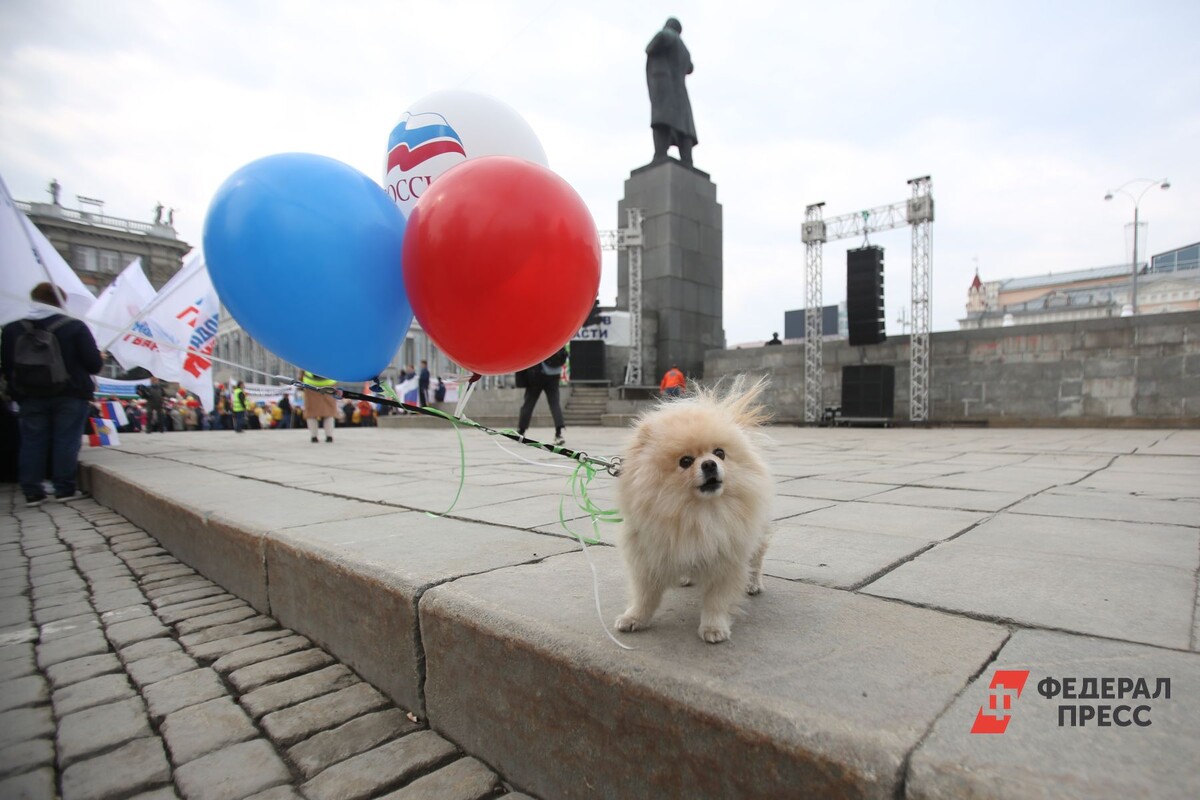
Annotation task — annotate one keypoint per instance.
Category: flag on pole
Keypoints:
(409, 391)
(134, 342)
(104, 433)
(119, 304)
(188, 306)
(111, 409)
(28, 259)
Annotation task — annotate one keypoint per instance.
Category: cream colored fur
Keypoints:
(676, 532)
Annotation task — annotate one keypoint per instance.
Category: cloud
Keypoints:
(1022, 116)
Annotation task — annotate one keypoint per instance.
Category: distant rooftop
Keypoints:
(1056, 278)
(160, 230)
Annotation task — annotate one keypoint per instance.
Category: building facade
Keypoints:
(98, 246)
(1170, 282)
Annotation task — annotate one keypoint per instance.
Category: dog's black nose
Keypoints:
(709, 467)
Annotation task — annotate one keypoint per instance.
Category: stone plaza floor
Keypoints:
(915, 578)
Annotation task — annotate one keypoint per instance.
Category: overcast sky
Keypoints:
(1023, 113)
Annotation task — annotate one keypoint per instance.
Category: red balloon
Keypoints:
(501, 263)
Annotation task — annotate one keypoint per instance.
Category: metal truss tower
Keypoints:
(629, 239)
(814, 345)
(920, 217)
(917, 211)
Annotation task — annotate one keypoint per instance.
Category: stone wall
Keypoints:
(1130, 371)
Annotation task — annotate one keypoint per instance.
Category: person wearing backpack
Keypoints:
(544, 377)
(48, 360)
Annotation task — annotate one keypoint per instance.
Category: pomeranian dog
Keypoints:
(695, 496)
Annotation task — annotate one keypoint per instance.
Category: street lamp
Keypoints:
(1150, 184)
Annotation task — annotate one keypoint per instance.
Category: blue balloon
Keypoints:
(304, 251)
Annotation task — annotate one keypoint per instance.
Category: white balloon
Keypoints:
(446, 128)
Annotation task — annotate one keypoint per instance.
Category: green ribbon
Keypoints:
(581, 477)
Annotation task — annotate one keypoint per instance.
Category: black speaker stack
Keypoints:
(869, 391)
(864, 296)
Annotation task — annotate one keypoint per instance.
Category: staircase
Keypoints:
(586, 405)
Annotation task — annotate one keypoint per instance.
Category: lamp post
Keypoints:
(1150, 184)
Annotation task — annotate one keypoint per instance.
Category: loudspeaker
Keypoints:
(869, 390)
(587, 360)
(864, 296)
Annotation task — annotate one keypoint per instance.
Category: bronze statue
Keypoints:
(667, 63)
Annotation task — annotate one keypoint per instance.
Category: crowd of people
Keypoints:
(155, 411)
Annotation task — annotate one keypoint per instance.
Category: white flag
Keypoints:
(133, 342)
(119, 304)
(187, 311)
(26, 259)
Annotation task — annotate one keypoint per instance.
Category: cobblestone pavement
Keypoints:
(124, 673)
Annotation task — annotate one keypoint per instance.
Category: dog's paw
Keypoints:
(628, 623)
(714, 633)
(685, 580)
(754, 587)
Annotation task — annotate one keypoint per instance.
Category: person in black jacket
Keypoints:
(544, 377)
(52, 422)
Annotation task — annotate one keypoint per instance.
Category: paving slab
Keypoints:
(36, 785)
(81, 669)
(1096, 504)
(379, 573)
(23, 724)
(204, 728)
(839, 558)
(387, 765)
(97, 691)
(233, 773)
(1037, 757)
(290, 725)
(286, 693)
(357, 736)
(464, 779)
(260, 652)
(1121, 580)
(99, 728)
(30, 690)
(26, 756)
(141, 764)
(182, 690)
(278, 669)
(819, 691)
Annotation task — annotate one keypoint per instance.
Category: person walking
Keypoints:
(544, 377)
(285, 408)
(318, 406)
(238, 405)
(423, 384)
(50, 377)
(673, 382)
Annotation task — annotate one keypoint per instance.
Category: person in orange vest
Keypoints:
(673, 382)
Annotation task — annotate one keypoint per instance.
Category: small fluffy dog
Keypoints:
(695, 496)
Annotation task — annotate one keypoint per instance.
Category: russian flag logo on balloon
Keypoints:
(420, 137)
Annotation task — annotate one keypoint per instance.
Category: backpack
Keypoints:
(38, 366)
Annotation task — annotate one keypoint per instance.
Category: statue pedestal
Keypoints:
(681, 265)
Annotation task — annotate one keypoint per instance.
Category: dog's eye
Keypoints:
(686, 461)
(719, 453)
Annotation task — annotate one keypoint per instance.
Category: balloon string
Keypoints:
(465, 396)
